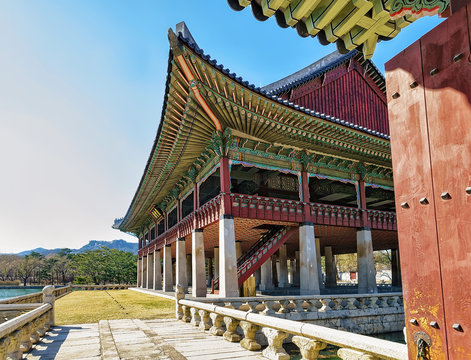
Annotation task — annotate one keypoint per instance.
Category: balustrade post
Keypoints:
(4, 344)
(231, 329)
(13, 349)
(49, 298)
(186, 313)
(34, 335)
(250, 330)
(204, 320)
(25, 343)
(350, 354)
(195, 317)
(179, 295)
(275, 350)
(309, 348)
(216, 329)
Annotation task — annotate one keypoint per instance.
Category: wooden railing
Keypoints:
(274, 209)
(308, 337)
(19, 333)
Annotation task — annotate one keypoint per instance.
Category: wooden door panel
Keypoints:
(417, 234)
(448, 101)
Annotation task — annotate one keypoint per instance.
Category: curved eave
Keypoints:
(350, 24)
(225, 72)
(186, 128)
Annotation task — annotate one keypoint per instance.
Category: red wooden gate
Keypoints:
(429, 100)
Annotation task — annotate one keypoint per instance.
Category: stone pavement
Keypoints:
(136, 339)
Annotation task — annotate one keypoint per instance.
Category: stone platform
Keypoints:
(135, 339)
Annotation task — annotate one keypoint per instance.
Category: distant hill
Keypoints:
(92, 245)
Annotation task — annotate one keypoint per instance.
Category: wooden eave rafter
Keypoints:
(350, 24)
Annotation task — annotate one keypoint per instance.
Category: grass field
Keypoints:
(82, 307)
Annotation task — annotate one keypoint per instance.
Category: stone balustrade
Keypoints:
(100, 287)
(362, 313)
(308, 337)
(35, 297)
(18, 334)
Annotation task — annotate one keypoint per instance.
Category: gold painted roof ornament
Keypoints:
(350, 24)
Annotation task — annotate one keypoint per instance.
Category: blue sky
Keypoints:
(81, 89)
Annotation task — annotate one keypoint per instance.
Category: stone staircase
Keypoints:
(265, 247)
(135, 339)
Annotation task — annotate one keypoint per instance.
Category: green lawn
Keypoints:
(82, 307)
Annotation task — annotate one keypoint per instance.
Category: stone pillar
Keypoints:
(309, 279)
(291, 272)
(274, 271)
(198, 282)
(266, 276)
(216, 262)
(174, 273)
(283, 267)
(181, 278)
(150, 270)
(330, 275)
(144, 272)
(297, 270)
(319, 265)
(157, 271)
(238, 249)
(228, 285)
(210, 271)
(395, 268)
(188, 269)
(168, 267)
(366, 264)
(258, 276)
(139, 271)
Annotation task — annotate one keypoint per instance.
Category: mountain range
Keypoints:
(92, 245)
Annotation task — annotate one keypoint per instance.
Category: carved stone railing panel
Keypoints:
(308, 337)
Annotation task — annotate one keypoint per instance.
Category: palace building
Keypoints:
(249, 182)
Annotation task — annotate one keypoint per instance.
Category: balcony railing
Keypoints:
(274, 209)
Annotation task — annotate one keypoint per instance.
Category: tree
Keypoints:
(27, 266)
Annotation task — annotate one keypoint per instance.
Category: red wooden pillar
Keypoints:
(364, 214)
(305, 195)
(196, 203)
(225, 177)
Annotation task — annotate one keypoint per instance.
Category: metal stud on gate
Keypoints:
(413, 84)
(468, 190)
(445, 195)
(457, 327)
(433, 72)
(405, 205)
(414, 322)
(424, 201)
(457, 57)
(434, 324)
(395, 95)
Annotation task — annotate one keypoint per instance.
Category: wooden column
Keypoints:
(305, 195)
(225, 178)
(361, 185)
